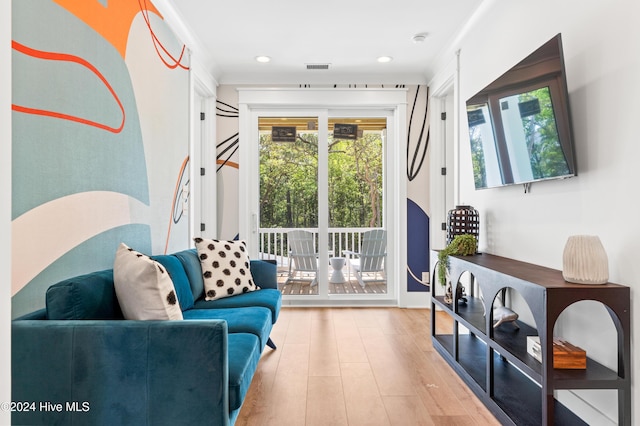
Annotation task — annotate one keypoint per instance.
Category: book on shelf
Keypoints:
(565, 355)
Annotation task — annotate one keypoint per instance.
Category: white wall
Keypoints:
(602, 61)
(5, 209)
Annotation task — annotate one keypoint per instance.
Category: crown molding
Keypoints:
(202, 62)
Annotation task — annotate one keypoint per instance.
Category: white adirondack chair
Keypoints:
(369, 261)
(303, 258)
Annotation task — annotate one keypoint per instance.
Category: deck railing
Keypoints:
(273, 242)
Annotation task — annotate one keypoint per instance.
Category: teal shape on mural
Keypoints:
(95, 254)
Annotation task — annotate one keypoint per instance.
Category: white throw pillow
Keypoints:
(225, 268)
(144, 288)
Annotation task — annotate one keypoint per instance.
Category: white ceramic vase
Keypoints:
(584, 260)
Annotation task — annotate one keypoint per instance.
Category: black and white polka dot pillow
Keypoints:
(225, 268)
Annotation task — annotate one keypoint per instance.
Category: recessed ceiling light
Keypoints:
(385, 59)
(263, 59)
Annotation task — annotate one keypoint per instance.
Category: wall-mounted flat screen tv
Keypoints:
(520, 124)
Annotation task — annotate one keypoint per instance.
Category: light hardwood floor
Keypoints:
(357, 366)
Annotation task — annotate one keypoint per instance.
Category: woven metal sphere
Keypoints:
(463, 220)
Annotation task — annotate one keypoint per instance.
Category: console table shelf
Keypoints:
(494, 362)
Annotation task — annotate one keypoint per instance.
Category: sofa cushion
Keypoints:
(225, 268)
(180, 279)
(264, 273)
(244, 354)
(143, 286)
(191, 264)
(253, 320)
(90, 296)
(266, 297)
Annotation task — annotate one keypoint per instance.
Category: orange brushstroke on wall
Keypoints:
(63, 57)
(183, 168)
(157, 44)
(228, 163)
(112, 22)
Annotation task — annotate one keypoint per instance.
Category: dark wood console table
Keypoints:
(495, 364)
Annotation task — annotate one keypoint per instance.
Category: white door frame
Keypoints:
(445, 148)
(309, 102)
(202, 151)
(441, 157)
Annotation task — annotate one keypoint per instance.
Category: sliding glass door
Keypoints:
(322, 202)
(357, 234)
(289, 202)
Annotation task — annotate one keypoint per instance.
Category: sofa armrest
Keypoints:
(40, 314)
(121, 372)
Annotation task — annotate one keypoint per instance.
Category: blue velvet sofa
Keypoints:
(77, 361)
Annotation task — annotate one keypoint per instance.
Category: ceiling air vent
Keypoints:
(317, 66)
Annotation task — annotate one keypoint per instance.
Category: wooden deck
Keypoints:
(300, 287)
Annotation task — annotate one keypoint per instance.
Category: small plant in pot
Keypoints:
(463, 245)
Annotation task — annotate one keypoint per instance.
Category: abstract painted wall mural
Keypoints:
(417, 188)
(227, 158)
(179, 203)
(418, 142)
(100, 136)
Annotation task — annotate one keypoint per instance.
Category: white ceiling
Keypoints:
(348, 34)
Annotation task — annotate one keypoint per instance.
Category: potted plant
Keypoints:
(463, 245)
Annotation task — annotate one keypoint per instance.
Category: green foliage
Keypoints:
(289, 182)
(463, 245)
(547, 158)
(477, 158)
